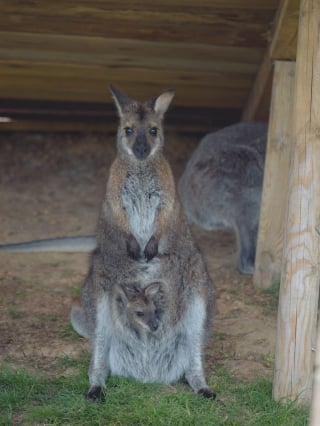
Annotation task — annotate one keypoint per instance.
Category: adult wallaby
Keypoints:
(143, 237)
(222, 184)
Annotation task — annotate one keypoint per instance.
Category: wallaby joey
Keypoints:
(134, 311)
(222, 184)
(143, 237)
(139, 307)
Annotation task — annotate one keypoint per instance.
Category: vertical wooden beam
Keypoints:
(275, 182)
(299, 289)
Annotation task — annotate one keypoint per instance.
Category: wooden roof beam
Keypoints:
(257, 106)
(283, 46)
(284, 41)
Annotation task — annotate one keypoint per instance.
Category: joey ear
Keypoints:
(152, 289)
(162, 102)
(130, 291)
(120, 99)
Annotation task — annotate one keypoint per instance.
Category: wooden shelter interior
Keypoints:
(222, 57)
(57, 59)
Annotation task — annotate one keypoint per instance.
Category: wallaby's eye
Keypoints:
(153, 131)
(128, 130)
(140, 314)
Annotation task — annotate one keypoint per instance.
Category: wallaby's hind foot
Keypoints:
(207, 393)
(96, 394)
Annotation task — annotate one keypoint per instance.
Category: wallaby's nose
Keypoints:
(141, 149)
(153, 325)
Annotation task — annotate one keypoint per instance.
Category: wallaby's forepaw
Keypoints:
(96, 394)
(151, 249)
(133, 248)
(207, 393)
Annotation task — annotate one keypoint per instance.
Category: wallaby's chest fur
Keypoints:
(141, 198)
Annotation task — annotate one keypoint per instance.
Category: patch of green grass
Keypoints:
(83, 363)
(21, 293)
(268, 359)
(17, 390)
(218, 335)
(48, 318)
(30, 400)
(273, 293)
(13, 311)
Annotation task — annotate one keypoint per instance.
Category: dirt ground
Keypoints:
(52, 185)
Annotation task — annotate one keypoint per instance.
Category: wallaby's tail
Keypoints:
(78, 320)
(63, 244)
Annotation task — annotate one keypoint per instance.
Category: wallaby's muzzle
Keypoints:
(141, 149)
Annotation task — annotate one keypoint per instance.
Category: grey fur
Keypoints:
(63, 244)
(143, 237)
(222, 184)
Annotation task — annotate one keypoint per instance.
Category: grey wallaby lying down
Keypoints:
(222, 184)
(144, 243)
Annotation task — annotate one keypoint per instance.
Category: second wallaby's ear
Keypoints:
(121, 99)
(162, 102)
(152, 289)
(130, 291)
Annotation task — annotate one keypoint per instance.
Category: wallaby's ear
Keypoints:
(152, 289)
(121, 99)
(130, 291)
(162, 102)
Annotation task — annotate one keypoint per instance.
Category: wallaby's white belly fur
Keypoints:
(161, 357)
(141, 203)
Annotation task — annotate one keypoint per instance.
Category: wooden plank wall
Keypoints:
(69, 51)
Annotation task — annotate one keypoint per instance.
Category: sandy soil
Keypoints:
(52, 185)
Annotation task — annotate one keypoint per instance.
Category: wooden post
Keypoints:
(275, 182)
(299, 289)
(315, 406)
